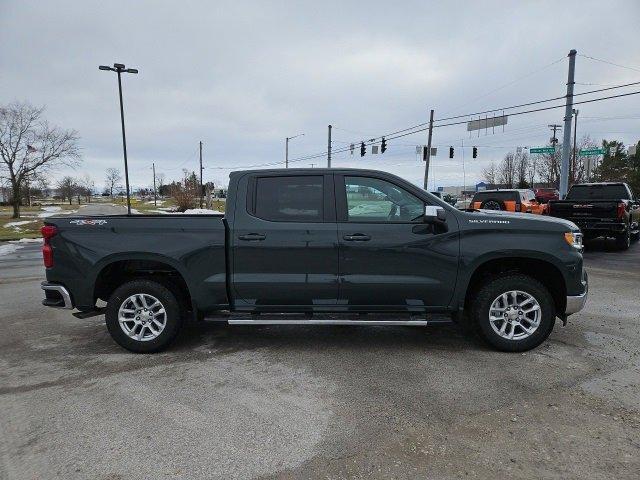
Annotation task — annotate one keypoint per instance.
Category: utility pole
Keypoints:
(329, 149)
(201, 186)
(564, 166)
(575, 131)
(155, 197)
(428, 157)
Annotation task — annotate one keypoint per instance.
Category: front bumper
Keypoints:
(56, 296)
(575, 303)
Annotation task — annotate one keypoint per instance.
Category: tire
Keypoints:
(493, 204)
(623, 240)
(141, 331)
(526, 287)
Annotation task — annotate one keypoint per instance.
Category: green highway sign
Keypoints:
(591, 151)
(542, 150)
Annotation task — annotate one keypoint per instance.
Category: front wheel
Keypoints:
(143, 316)
(514, 313)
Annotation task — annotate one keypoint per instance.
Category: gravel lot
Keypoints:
(320, 402)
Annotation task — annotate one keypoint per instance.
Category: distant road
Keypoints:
(101, 209)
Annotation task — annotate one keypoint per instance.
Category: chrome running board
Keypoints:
(311, 321)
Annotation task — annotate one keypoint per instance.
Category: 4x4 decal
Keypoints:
(88, 222)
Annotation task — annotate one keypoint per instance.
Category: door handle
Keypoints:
(252, 237)
(357, 237)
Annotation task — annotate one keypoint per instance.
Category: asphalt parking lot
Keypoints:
(320, 402)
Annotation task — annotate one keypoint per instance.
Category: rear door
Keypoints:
(284, 242)
(389, 258)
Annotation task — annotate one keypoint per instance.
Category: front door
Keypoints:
(389, 258)
(285, 250)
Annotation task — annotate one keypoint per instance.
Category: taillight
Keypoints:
(48, 231)
(621, 209)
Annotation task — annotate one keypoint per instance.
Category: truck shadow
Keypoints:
(221, 337)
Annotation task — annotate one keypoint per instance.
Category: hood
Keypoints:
(522, 217)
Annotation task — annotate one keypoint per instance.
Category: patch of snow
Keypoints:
(151, 202)
(8, 248)
(164, 212)
(27, 240)
(168, 209)
(18, 224)
(201, 211)
(48, 211)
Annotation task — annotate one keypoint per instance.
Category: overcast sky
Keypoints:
(241, 76)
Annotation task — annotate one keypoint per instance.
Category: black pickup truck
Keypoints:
(318, 246)
(601, 210)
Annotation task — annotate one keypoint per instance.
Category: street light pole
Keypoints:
(119, 68)
(286, 148)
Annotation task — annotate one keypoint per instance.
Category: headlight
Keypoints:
(574, 239)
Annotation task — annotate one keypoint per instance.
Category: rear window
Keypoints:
(289, 199)
(505, 196)
(598, 192)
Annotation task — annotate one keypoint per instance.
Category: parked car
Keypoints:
(543, 195)
(601, 210)
(316, 241)
(463, 204)
(512, 200)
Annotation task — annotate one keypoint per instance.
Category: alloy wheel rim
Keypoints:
(515, 315)
(142, 317)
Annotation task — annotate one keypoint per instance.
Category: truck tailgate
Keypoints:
(577, 210)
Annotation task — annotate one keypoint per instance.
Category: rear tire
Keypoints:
(623, 240)
(143, 316)
(528, 317)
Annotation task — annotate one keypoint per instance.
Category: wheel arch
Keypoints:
(115, 270)
(544, 271)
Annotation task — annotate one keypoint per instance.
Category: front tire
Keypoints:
(513, 313)
(143, 316)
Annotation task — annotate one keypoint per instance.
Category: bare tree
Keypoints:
(522, 169)
(490, 174)
(30, 146)
(160, 179)
(87, 185)
(507, 170)
(113, 179)
(67, 187)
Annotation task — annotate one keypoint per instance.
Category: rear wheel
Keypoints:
(514, 313)
(143, 316)
(623, 240)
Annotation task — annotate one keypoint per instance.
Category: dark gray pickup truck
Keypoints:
(318, 246)
(606, 209)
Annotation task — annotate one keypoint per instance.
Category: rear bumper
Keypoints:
(575, 303)
(600, 227)
(56, 296)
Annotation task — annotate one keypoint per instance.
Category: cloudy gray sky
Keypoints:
(243, 75)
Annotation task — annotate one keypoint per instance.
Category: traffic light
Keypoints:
(363, 149)
(450, 152)
(383, 146)
(475, 152)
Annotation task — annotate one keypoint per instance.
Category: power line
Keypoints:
(609, 63)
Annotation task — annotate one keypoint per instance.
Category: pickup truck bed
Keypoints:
(90, 252)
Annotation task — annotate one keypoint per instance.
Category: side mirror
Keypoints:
(434, 214)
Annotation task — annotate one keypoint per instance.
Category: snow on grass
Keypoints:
(201, 211)
(27, 240)
(49, 211)
(18, 224)
(151, 202)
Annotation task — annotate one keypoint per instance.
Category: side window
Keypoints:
(289, 199)
(375, 200)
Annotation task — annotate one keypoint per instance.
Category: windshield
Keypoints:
(598, 192)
